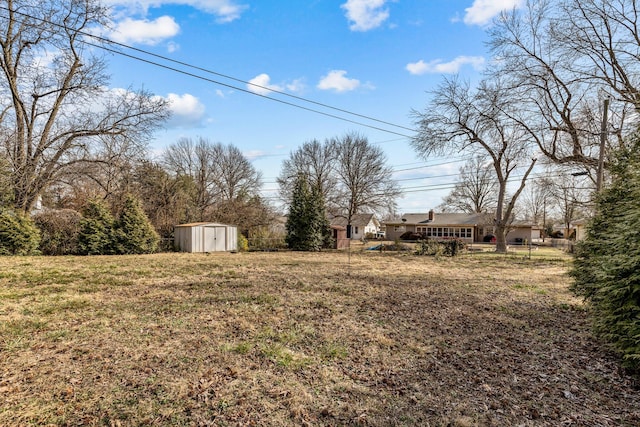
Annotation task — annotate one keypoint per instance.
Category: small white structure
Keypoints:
(205, 237)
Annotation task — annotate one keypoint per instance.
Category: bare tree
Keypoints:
(535, 199)
(167, 200)
(476, 190)
(561, 59)
(605, 35)
(458, 119)
(570, 198)
(56, 108)
(315, 160)
(221, 173)
(235, 175)
(196, 160)
(365, 181)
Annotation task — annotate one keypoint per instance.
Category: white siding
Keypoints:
(205, 237)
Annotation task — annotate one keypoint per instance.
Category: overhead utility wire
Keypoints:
(243, 90)
(225, 76)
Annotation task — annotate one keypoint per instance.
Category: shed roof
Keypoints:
(204, 224)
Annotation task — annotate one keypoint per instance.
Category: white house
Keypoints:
(362, 225)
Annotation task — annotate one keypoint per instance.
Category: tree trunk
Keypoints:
(501, 237)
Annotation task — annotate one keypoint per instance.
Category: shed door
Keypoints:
(214, 239)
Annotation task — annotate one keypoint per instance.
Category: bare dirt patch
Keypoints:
(302, 339)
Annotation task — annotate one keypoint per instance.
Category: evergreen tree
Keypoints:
(96, 235)
(319, 214)
(307, 219)
(607, 264)
(18, 234)
(134, 233)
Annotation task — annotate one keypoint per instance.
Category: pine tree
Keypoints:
(96, 235)
(307, 221)
(607, 264)
(134, 233)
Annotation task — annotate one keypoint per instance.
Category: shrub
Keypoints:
(607, 263)
(134, 233)
(454, 247)
(18, 234)
(96, 236)
(412, 235)
(262, 239)
(243, 243)
(431, 247)
(59, 231)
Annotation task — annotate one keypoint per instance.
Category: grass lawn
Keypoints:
(291, 339)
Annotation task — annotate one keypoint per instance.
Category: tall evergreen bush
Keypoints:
(607, 263)
(134, 233)
(18, 234)
(96, 236)
(307, 223)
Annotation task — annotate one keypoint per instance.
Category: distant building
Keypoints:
(477, 227)
(362, 225)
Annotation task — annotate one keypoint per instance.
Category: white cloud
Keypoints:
(365, 14)
(296, 86)
(482, 12)
(261, 84)
(337, 81)
(172, 47)
(254, 154)
(439, 67)
(145, 31)
(186, 111)
(224, 10)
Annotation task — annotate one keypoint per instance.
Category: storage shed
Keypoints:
(205, 237)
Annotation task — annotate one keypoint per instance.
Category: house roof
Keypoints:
(443, 218)
(358, 220)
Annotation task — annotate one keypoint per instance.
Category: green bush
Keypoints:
(133, 232)
(18, 234)
(243, 243)
(96, 236)
(607, 262)
(59, 231)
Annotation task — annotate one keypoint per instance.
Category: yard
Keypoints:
(292, 339)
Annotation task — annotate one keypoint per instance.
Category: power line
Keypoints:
(185, 64)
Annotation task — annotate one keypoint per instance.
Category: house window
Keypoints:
(356, 230)
(399, 228)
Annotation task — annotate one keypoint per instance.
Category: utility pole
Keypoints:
(603, 140)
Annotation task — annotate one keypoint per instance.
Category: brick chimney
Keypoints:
(432, 215)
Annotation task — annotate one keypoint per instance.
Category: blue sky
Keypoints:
(375, 58)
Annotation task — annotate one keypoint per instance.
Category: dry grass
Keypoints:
(302, 339)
